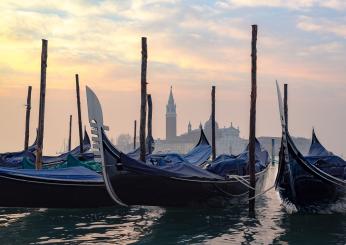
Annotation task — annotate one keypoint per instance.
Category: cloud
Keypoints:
(322, 25)
(291, 4)
(325, 48)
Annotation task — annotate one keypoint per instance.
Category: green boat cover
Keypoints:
(70, 162)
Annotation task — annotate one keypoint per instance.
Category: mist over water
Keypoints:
(155, 225)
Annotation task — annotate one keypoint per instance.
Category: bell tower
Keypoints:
(171, 118)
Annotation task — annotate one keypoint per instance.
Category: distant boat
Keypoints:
(13, 158)
(310, 182)
(132, 182)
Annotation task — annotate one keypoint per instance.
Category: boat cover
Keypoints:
(64, 174)
(179, 169)
(325, 160)
(197, 156)
(135, 154)
(71, 161)
(229, 164)
(9, 158)
(15, 159)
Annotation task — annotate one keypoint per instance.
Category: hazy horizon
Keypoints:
(191, 46)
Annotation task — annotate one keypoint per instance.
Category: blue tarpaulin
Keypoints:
(325, 160)
(197, 156)
(10, 158)
(70, 174)
(230, 164)
(181, 169)
(14, 159)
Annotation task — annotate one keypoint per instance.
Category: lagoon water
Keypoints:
(155, 225)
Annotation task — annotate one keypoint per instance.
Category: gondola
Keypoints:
(15, 159)
(302, 181)
(73, 187)
(132, 182)
(55, 186)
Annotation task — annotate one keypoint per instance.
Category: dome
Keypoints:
(207, 125)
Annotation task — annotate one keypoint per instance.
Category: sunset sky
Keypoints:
(192, 45)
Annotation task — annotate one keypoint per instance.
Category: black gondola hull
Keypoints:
(34, 193)
(139, 189)
(305, 185)
(310, 191)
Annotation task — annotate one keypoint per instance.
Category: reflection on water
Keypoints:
(11, 215)
(152, 225)
(51, 226)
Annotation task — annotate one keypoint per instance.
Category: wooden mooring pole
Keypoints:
(70, 134)
(134, 134)
(150, 124)
(80, 129)
(286, 104)
(39, 147)
(143, 99)
(273, 151)
(252, 134)
(27, 119)
(213, 123)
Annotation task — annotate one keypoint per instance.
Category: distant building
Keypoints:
(227, 138)
(124, 142)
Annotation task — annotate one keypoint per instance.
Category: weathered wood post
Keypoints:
(273, 151)
(39, 147)
(213, 123)
(134, 134)
(79, 115)
(27, 119)
(69, 134)
(150, 125)
(252, 135)
(286, 104)
(143, 99)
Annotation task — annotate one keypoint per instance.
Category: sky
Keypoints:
(192, 45)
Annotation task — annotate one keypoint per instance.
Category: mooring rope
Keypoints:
(260, 194)
(239, 195)
(229, 194)
(242, 180)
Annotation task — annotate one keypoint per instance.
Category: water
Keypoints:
(153, 225)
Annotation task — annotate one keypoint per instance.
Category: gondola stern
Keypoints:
(202, 139)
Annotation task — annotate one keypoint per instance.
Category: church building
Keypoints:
(227, 138)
